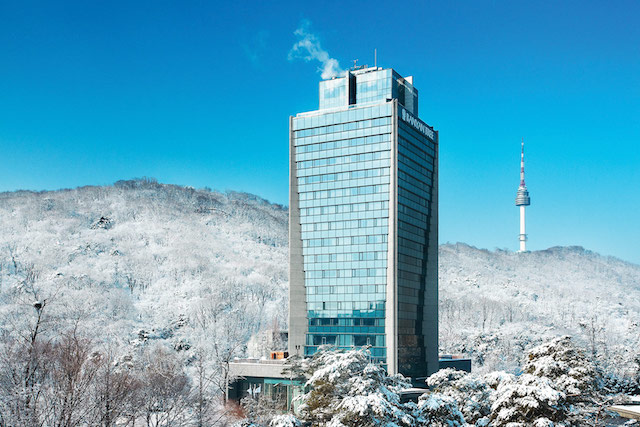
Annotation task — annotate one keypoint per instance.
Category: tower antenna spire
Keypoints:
(522, 165)
(522, 200)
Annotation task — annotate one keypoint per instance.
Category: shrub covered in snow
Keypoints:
(529, 400)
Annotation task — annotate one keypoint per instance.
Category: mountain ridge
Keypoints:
(144, 254)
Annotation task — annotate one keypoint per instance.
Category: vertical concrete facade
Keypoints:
(430, 327)
(391, 320)
(297, 301)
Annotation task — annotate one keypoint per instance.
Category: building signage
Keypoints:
(418, 124)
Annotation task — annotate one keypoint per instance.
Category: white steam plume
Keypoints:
(308, 48)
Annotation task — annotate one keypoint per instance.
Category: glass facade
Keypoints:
(333, 93)
(369, 86)
(356, 166)
(343, 166)
(416, 167)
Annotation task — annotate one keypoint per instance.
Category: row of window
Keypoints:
(423, 225)
(420, 201)
(422, 181)
(418, 231)
(355, 272)
(343, 127)
(344, 298)
(374, 75)
(376, 90)
(342, 225)
(308, 235)
(417, 139)
(409, 260)
(342, 215)
(418, 188)
(333, 96)
(350, 281)
(346, 248)
(343, 140)
(423, 207)
(385, 162)
(345, 192)
(416, 143)
(354, 158)
(346, 321)
(406, 275)
(406, 210)
(342, 241)
(319, 219)
(345, 208)
(346, 340)
(416, 247)
(347, 289)
(373, 85)
(352, 256)
(347, 266)
(425, 169)
(343, 305)
(330, 330)
(351, 114)
(341, 176)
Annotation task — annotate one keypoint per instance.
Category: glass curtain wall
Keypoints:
(416, 157)
(343, 167)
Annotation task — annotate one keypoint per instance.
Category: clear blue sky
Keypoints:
(199, 93)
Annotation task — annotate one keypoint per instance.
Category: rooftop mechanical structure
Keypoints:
(522, 200)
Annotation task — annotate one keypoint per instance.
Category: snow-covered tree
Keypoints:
(471, 392)
(565, 365)
(437, 410)
(286, 420)
(348, 390)
(528, 400)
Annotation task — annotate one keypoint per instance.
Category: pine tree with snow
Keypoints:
(346, 389)
(438, 410)
(528, 401)
(472, 392)
(566, 366)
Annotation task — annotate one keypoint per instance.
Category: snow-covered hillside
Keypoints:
(138, 260)
(142, 255)
(496, 304)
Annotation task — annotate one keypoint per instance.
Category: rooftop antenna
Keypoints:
(375, 58)
(355, 64)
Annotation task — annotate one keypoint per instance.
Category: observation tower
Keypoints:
(522, 200)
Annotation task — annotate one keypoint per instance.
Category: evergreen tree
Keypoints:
(346, 389)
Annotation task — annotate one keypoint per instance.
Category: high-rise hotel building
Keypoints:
(364, 223)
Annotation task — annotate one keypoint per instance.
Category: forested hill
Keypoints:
(496, 304)
(143, 255)
(139, 259)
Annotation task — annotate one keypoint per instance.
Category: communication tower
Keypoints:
(522, 200)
